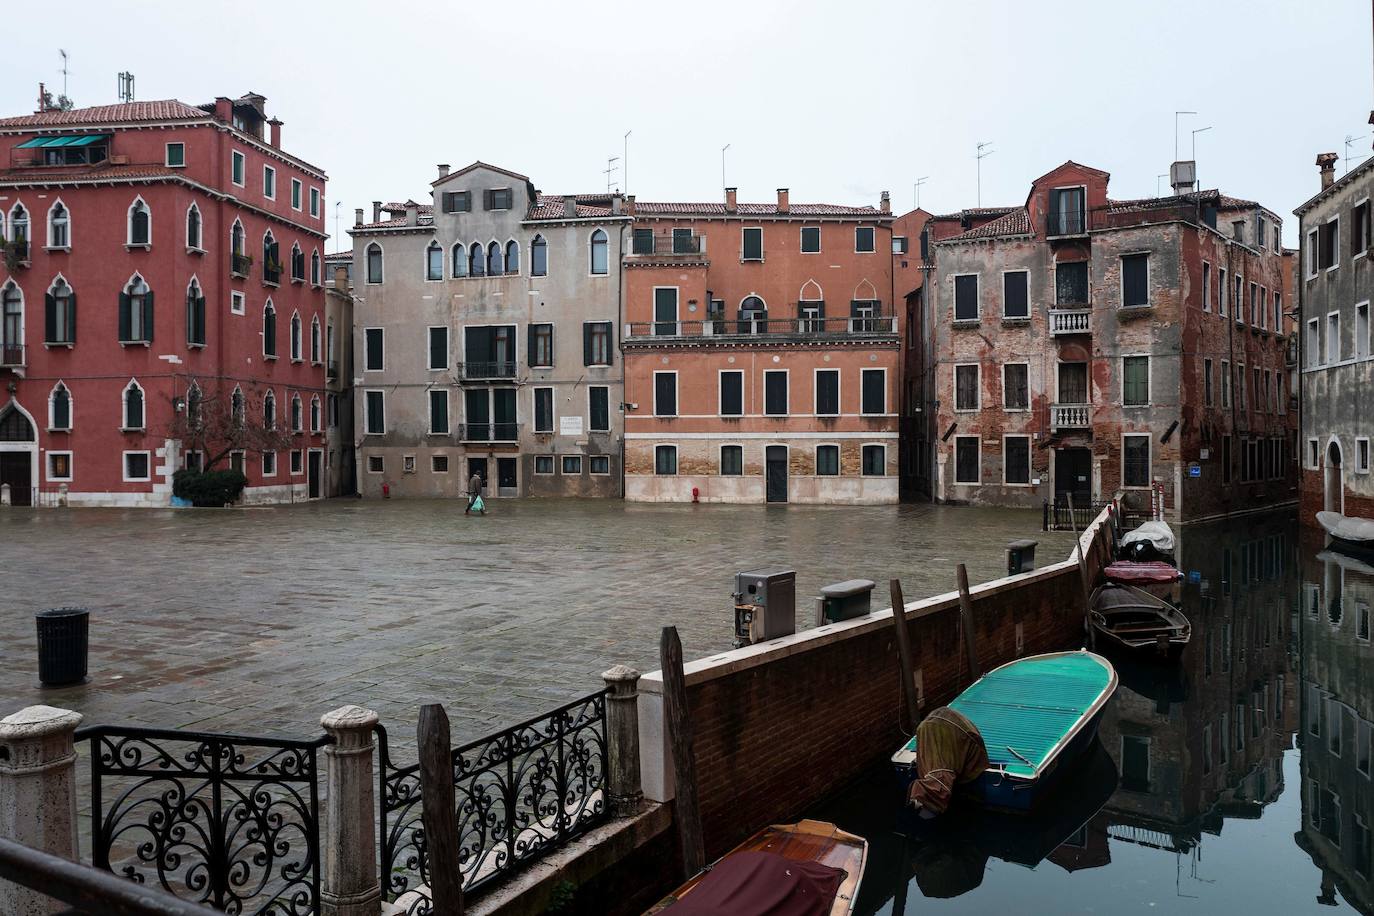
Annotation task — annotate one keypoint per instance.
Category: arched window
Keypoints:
(269, 330)
(238, 258)
(599, 254)
(315, 414)
(59, 226)
(459, 256)
(59, 314)
(193, 406)
(195, 314)
(11, 325)
(296, 422)
(236, 411)
(434, 262)
(140, 223)
(374, 263)
(315, 339)
(477, 265)
(315, 267)
(512, 257)
(297, 263)
(269, 410)
(295, 336)
(136, 312)
(19, 230)
(60, 408)
(271, 258)
(133, 406)
(752, 311)
(539, 257)
(193, 228)
(494, 267)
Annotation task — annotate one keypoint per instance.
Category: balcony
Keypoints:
(239, 264)
(17, 253)
(488, 432)
(481, 371)
(1070, 416)
(672, 247)
(11, 356)
(645, 332)
(1065, 224)
(271, 274)
(1070, 321)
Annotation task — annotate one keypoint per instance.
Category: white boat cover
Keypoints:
(1346, 528)
(1156, 533)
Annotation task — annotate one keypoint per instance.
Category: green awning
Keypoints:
(68, 140)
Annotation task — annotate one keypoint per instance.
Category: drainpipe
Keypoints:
(619, 329)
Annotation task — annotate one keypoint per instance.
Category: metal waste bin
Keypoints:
(63, 639)
(1020, 556)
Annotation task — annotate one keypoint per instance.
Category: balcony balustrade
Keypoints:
(1070, 321)
(478, 371)
(1070, 416)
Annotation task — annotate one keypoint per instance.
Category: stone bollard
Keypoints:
(38, 795)
(349, 885)
(622, 734)
(63, 493)
(4, 494)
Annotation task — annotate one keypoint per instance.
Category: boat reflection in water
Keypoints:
(1217, 808)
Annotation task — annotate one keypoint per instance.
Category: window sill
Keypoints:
(298, 280)
(238, 276)
(59, 344)
(1136, 309)
(133, 429)
(195, 346)
(267, 356)
(296, 360)
(272, 284)
(190, 250)
(960, 324)
(146, 246)
(751, 260)
(65, 248)
(55, 429)
(135, 343)
(1016, 319)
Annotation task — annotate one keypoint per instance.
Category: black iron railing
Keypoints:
(222, 820)
(487, 369)
(11, 354)
(802, 326)
(240, 264)
(1070, 222)
(271, 273)
(1058, 516)
(520, 793)
(679, 243)
(488, 432)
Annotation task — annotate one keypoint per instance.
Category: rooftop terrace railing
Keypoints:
(878, 325)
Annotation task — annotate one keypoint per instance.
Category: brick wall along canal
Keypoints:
(1237, 781)
(259, 620)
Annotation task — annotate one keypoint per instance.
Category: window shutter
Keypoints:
(486, 199)
(820, 308)
(148, 316)
(587, 344)
(530, 337)
(200, 319)
(49, 317)
(610, 342)
(71, 316)
(125, 318)
(854, 305)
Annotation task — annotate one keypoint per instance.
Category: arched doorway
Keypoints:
(1333, 493)
(18, 454)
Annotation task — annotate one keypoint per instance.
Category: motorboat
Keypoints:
(1150, 541)
(1350, 534)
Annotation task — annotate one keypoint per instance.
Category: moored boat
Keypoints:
(1033, 715)
(811, 868)
(1135, 619)
(1150, 541)
(1354, 536)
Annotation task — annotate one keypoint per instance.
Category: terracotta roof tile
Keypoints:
(99, 172)
(339, 256)
(166, 110)
(423, 209)
(553, 206)
(651, 208)
(974, 212)
(1017, 222)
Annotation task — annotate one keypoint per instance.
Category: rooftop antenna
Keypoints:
(980, 156)
(1192, 154)
(64, 71)
(336, 221)
(1176, 115)
(917, 188)
(610, 170)
(126, 86)
(1349, 140)
(625, 162)
(722, 164)
(1157, 177)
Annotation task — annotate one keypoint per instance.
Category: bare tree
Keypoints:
(220, 417)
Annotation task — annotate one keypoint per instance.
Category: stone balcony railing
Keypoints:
(1070, 416)
(1070, 321)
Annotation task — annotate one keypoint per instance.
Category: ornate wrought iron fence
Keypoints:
(222, 820)
(520, 793)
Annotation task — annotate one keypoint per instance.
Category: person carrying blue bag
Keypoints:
(475, 495)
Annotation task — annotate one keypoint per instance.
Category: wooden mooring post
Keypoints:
(438, 814)
(905, 657)
(678, 722)
(966, 616)
(1083, 577)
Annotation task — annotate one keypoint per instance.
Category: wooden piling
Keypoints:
(438, 813)
(1082, 576)
(905, 657)
(677, 721)
(966, 615)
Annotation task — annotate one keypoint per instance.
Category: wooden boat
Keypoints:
(1129, 572)
(1150, 541)
(1035, 715)
(1134, 619)
(763, 866)
(1354, 536)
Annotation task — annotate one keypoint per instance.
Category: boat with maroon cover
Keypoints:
(1152, 572)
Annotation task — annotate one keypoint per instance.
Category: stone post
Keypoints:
(38, 795)
(62, 493)
(349, 885)
(622, 736)
(4, 494)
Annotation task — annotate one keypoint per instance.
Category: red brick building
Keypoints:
(762, 353)
(159, 258)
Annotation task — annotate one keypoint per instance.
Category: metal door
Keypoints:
(776, 466)
(1073, 475)
(314, 467)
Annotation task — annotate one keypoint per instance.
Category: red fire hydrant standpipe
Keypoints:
(696, 495)
(386, 491)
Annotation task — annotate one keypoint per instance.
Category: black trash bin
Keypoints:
(63, 638)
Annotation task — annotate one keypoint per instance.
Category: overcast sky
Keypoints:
(837, 101)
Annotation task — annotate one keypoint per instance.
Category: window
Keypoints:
(863, 239)
(1135, 280)
(1362, 330)
(1016, 386)
(59, 313)
(899, 244)
(810, 239)
(297, 420)
(966, 297)
(269, 464)
(966, 387)
(543, 464)
(1066, 214)
(1135, 461)
(438, 411)
(1333, 337)
(456, 202)
(874, 460)
(296, 188)
(498, 199)
(1240, 385)
(642, 241)
(665, 394)
(1015, 294)
(1207, 382)
(195, 314)
(137, 466)
(1238, 299)
(751, 243)
(1362, 455)
(1221, 292)
(540, 345)
(1328, 244)
(11, 323)
(1359, 229)
(1206, 287)
(539, 257)
(314, 201)
(495, 263)
(438, 464)
(236, 167)
(1314, 343)
(434, 262)
(269, 410)
(665, 459)
(315, 340)
(296, 337)
(873, 390)
(374, 263)
(599, 408)
(543, 410)
(269, 330)
(731, 460)
(599, 465)
(596, 343)
(1254, 305)
(828, 460)
(60, 409)
(140, 224)
(372, 349)
(1135, 381)
(438, 349)
(599, 252)
(374, 405)
(59, 466)
(572, 465)
(271, 260)
(375, 464)
(775, 393)
(1016, 460)
(732, 393)
(133, 406)
(194, 228)
(966, 460)
(238, 302)
(59, 226)
(1278, 312)
(136, 312)
(665, 310)
(269, 182)
(1135, 763)
(827, 392)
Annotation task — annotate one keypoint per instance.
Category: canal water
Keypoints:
(1237, 780)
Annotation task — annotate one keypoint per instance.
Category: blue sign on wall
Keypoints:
(1194, 470)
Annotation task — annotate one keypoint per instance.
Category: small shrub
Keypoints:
(209, 488)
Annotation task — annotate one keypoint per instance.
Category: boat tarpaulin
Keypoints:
(762, 884)
(1157, 533)
(949, 750)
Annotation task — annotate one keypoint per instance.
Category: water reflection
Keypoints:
(1259, 736)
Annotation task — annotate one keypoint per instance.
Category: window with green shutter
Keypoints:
(1135, 280)
(1135, 381)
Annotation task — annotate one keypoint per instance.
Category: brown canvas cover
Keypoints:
(762, 884)
(949, 751)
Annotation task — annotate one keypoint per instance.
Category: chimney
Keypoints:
(730, 205)
(569, 205)
(1182, 176)
(1327, 163)
(275, 136)
(617, 204)
(376, 211)
(412, 213)
(42, 98)
(443, 170)
(340, 277)
(885, 203)
(358, 217)
(782, 200)
(224, 110)
(629, 205)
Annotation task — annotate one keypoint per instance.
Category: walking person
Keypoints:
(475, 495)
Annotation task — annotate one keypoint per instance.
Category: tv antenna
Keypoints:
(1192, 154)
(916, 187)
(610, 170)
(126, 86)
(722, 164)
(1349, 140)
(64, 71)
(1176, 115)
(625, 162)
(980, 156)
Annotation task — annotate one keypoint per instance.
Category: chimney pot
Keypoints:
(730, 202)
(412, 213)
(630, 204)
(617, 204)
(443, 170)
(224, 110)
(885, 203)
(569, 205)
(376, 211)
(358, 216)
(1327, 163)
(275, 135)
(783, 204)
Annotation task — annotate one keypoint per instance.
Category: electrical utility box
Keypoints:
(844, 601)
(765, 605)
